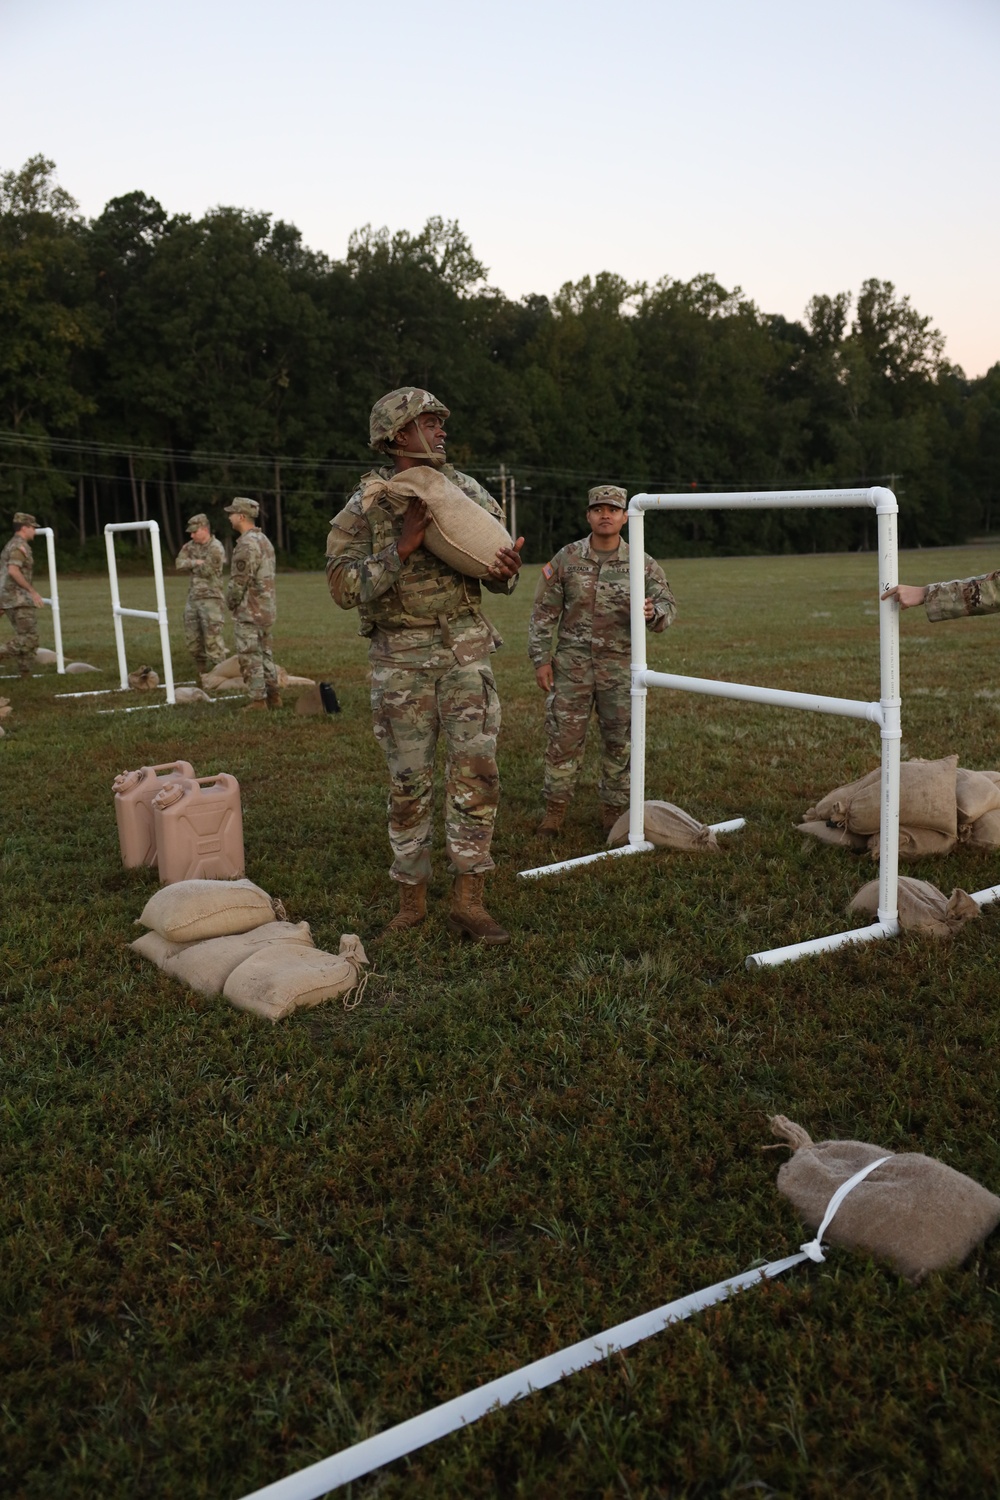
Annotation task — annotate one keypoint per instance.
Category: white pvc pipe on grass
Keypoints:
(118, 609)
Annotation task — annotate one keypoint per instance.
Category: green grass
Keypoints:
(230, 1249)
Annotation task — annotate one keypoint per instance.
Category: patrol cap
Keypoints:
(22, 518)
(392, 412)
(242, 506)
(607, 494)
(200, 519)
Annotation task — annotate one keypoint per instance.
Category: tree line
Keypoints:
(152, 365)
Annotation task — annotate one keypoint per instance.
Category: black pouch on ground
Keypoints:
(329, 697)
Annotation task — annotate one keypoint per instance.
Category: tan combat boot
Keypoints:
(610, 816)
(469, 916)
(553, 819)
(254, 703)
(273, 699)
(412, 907)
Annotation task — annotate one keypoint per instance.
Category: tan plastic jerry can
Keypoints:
(198, 824)
(134, 792)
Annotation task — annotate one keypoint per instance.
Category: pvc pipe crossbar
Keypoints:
(53, 601)
(885, 713)
(118, 610)
(730, 826)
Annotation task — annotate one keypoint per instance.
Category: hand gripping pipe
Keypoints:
(53, 601)
(140, 614)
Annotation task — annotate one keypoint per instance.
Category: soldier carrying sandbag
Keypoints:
(19, 599)
(252, 601)
(204, 557)
(429, 649)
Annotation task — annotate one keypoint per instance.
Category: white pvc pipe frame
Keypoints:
(53, 602)
(885, 713)
(118, 610)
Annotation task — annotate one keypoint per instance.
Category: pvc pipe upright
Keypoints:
(118, 609)
(637, 596)
(888, 863)
(53, 601)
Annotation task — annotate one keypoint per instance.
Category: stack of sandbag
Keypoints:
(227, 677)
(229, 937)
(940, 805)
(667, 826)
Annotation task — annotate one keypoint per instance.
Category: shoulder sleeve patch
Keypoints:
(548, 570)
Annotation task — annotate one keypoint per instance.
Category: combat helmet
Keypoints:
(391, 413)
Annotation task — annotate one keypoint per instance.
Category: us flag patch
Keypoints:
(547, 571)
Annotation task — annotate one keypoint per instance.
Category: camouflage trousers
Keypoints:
(203, 632)
(576, 691)
(253, 647)
(24, 642)
(411, 706)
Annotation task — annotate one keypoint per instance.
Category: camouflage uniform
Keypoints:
(252, 602)
(966, 596)
(204, 607)
(585, 595)
(17, 604)
(430, 672)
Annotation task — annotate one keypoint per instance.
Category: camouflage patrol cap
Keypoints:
(22, 518)
(607, 494)
(242, 506)
(199, 520)
(391, 413)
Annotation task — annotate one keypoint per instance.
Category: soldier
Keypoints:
(430, 672)
(951, 601)
(250, 599)
(204, 557)
(583, 594)
(18, 598)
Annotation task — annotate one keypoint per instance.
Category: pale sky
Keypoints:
(787, 146)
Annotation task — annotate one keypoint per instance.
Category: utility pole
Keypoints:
(502, 477)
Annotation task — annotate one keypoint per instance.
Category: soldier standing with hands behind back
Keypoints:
(18, 596)
(430, 672)
(252, 602)
(204, 557)
(583, 598)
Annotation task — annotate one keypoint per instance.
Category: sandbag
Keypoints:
(914, 1212)
(75, 667)
(832, 833)
(926, 798)
(143, 679)
(206, 966)
(985, 831)
(833, 807)
(667, 826)
(284, 977)
(461, 533)
(5, 708)
(45, 657)
(192, 910)
(922, 907)
(157, 949)
(916, 843)
(223, 674)
(191, 695)
(976, 793)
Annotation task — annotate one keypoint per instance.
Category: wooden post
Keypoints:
(279, 530)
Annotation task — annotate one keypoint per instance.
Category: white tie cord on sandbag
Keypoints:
(406, 1437)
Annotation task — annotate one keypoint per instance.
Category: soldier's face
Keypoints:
(200, 534)
(606, 521)
(430, 425)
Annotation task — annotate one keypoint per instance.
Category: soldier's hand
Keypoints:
(507, 562)
(908, 594)
(544, 677)
(38, 600)
(415, 521)
(648, 609)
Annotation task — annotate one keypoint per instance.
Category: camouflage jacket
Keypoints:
(365, 572)
(966, 596)
(18, 552)
(584, 594)
(251, 593)
(205, 562)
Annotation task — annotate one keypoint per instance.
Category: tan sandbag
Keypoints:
(922, 907)
(985, 831)
(75, 667)
(833, 807)
(5, 708)
(831, 833)
(669, 827)
(45, 657)
(190, 911)
(309, 702)
(976, 793)
(993, 776)
(285, 977)
(223, 672)
(914, 1212)
(461, 533)
(205, 967)
(926, 798)
(158, 949)
(299, 682)
(916, 843)
(191, 695)
(143, 679)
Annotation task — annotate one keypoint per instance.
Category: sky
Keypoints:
(788, 147)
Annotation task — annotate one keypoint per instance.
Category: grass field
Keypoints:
(230, 1249)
